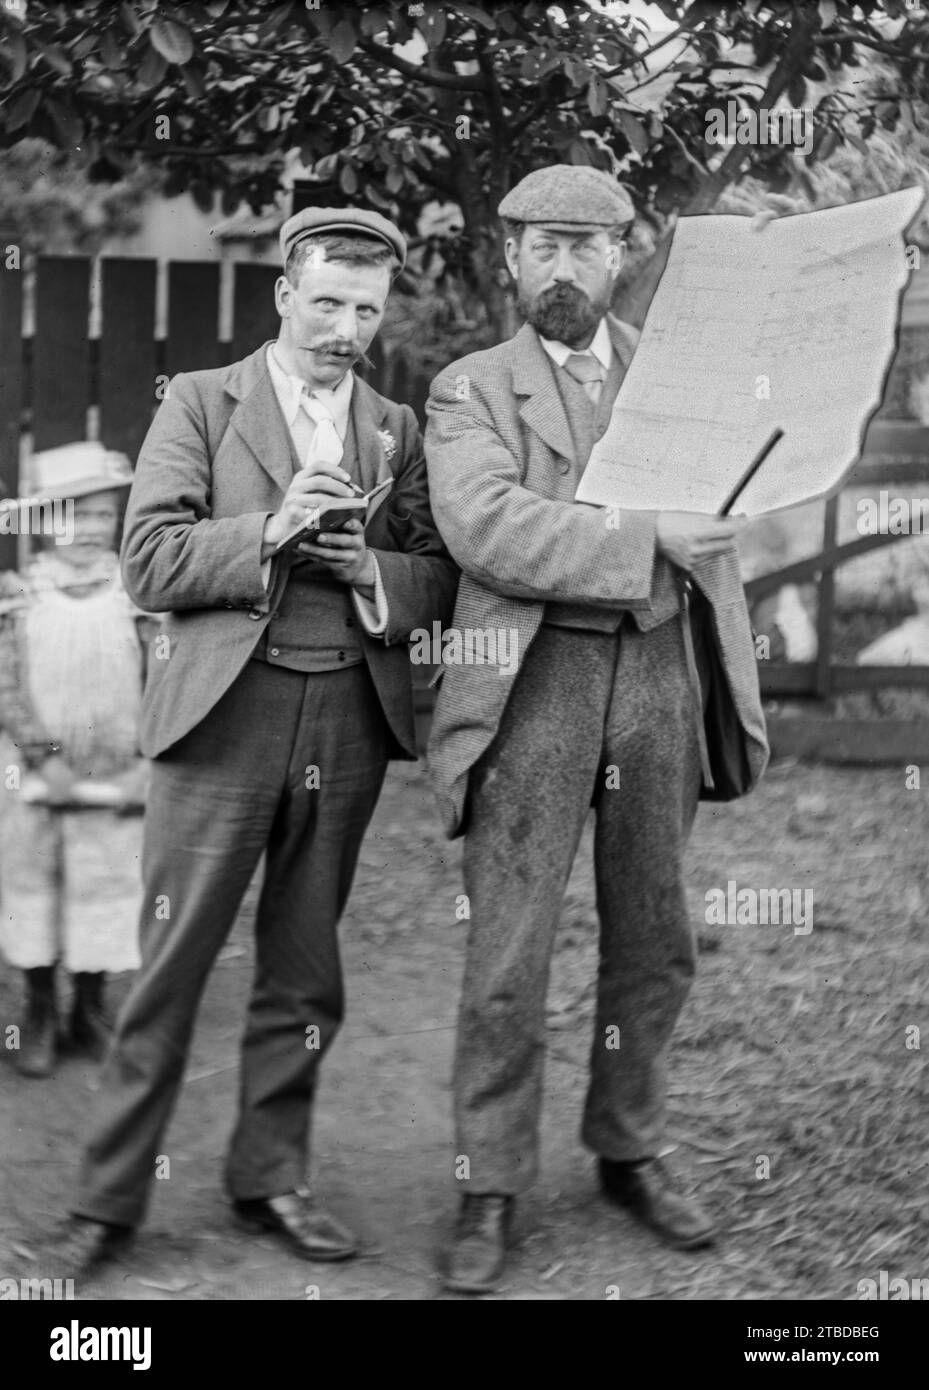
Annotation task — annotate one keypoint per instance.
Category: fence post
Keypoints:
(11, 379)
(826, 604)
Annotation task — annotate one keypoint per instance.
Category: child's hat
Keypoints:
(77, 470)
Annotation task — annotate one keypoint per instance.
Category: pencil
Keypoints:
(750, 472)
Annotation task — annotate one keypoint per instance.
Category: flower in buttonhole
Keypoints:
(388, 443)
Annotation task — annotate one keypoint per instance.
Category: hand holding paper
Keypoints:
(792, 327)
(687, 538)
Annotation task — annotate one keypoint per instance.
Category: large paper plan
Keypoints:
(754, 326)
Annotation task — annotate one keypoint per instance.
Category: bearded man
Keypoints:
(604, 709)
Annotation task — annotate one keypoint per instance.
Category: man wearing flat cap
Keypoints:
(604, 709)
(278, 690)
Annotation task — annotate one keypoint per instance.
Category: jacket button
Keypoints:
(564, 466)
(275, 651)
(227, 604)
(254, 613)
(349, 622)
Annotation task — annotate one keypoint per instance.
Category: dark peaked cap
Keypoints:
(362, 221)
(567, 196)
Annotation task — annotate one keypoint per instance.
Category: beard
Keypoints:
(563, 313)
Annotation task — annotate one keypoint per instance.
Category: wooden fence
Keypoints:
(50, 378)
(896, 455)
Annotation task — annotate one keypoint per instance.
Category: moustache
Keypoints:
(562, 295)
(354, 350)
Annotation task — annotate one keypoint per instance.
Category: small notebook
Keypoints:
(334, 515)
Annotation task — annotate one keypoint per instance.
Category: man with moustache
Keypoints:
(278, 691)
(604, 709)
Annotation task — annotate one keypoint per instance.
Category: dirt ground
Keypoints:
(793, 1047)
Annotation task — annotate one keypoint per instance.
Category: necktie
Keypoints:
(326, 446)
(585, 368)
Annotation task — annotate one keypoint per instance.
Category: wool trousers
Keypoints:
(602, 719)
(286, 764)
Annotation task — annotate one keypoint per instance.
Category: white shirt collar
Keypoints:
(289, 390)
(601, 347)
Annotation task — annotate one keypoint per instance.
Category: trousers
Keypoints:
(602, 719)
(289, 765)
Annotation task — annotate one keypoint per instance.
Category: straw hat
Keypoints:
(77, 470)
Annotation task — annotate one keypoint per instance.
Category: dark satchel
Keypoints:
(723, 755)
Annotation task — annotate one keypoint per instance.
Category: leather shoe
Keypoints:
(477, 1254)
(83, 1244)
(302, 1224)
(650, 1190)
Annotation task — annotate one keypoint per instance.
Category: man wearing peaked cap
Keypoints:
(278, 691)
(569, 196)
(604, 709)
(314, 222)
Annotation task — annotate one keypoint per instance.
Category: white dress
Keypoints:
(70, 881)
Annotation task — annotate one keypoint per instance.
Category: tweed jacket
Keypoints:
(502, 483)
(215, 463)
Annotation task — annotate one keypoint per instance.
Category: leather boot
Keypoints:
(90, 1025)
(36, 1055)
(477, 1255)
(651, 1191)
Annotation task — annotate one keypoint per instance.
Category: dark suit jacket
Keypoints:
(216, 461)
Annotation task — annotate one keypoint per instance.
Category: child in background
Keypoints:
(72, 650)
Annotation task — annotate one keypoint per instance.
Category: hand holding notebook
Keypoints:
(335, 513)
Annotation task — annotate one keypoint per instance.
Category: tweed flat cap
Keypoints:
(364, 221)
(566, 196)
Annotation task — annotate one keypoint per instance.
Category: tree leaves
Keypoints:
(342, 41)
(152, 69)
(252, 82)
(596, 96)
(21, 110)
(432, 25)
(15, 55)
(69, 128)
(374, 21)
(56, 57)
(111, 50)
(634, 131)
(475, 13)
(172, 40)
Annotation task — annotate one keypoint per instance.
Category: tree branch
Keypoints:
(706, 195)
(419, 73)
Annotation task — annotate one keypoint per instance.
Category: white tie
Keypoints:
(326, 446)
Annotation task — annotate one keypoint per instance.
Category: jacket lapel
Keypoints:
(257, 419)
(542, 409)
(623, 337)
(368, 414)
(533, 379)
